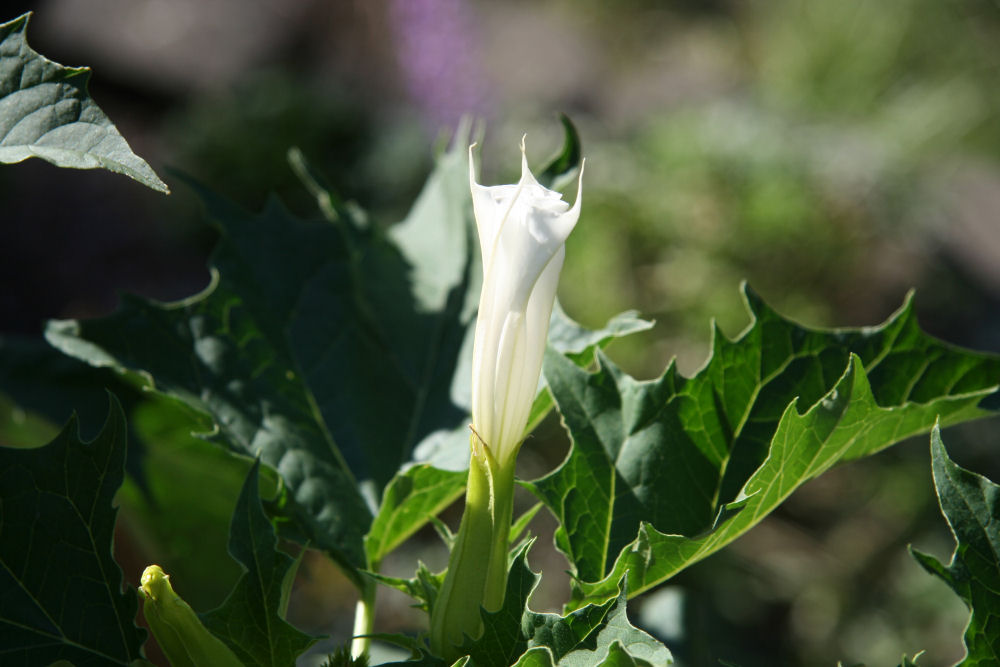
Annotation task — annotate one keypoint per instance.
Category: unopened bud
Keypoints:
(184, 639)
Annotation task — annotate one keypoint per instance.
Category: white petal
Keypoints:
(522, 229)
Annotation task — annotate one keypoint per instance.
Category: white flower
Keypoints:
(522, 232)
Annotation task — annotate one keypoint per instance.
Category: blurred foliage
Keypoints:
(818, 174)
(238, 141)
(815, 176)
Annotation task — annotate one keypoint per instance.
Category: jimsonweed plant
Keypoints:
(368, 375)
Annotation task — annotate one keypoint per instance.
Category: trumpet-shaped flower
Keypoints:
(522, 234)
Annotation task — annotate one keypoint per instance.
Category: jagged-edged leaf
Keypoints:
(321, 347)
(46, 112)
(423, 586)
(618, 642)
(586, 637)
(335, 351)
(62, 592)
(249, 621)
(502, 640)
(971, 505)
(663, 473)
(520, 524)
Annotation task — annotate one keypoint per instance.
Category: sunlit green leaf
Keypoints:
(971, 504)
(665, 472)
(411, 497)
(46, 112)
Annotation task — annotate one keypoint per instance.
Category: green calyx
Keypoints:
(477, 568)
(178, 630)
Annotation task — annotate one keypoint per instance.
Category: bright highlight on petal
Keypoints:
(522, 233)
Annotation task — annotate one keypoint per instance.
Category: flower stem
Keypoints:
(477, 568)
(364, 622)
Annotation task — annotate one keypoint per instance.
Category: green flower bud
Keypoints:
(178, 630)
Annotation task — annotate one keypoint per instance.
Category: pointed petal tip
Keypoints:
(472, 166)
(525, 169)
(579, 186)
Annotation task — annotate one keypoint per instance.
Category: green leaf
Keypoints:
(46, 382)
(540, 656)
(248, 621)
(520, 524)
(335, 351)
(423, 587)
(61, 589)
(971, 505)
(46, 112)
(412, 496)
(502, 640)
(589, 636)
(563, 165)
(619, 643)
(665, 472)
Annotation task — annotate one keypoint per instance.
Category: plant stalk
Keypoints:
(477, 567)
(364, 622)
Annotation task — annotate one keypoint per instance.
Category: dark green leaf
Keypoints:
(579, 343)
(61, 589)
(248, 621)
(562, 634)
(46, 112)
(566, 161)
(342, 658)
(187, 503)
(665, 472)
(502, 640)
(971, 505)
(44, 381)
(334, 351)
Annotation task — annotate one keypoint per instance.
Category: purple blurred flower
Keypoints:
(437, 47)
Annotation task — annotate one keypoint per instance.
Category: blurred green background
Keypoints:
(833, 154)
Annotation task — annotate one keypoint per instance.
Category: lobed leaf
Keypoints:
(46, 112)
(249, 621)
(666, 472)
(593, 635)
(62, 592)
(971, 505)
